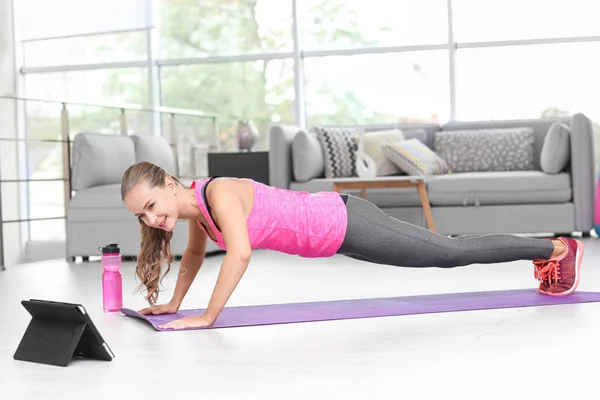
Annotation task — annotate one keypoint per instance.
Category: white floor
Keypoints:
(547, 352)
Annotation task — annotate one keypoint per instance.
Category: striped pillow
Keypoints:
(415, 158)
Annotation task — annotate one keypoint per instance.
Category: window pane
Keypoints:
(527, 81)
(191, 28)
(476, 21)
(46, 199)
(262, 91)
(52, 229)
(43, 18)
(43, 121)
(44, 160)
(360, 23)
(123, 85)
(111, 86)
(130, 46)
(377, 88)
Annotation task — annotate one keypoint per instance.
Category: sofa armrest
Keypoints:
(583, 171)
(280, 155)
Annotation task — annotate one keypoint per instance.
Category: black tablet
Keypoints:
(59, 332)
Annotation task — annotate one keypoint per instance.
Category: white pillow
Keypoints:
(373, 147)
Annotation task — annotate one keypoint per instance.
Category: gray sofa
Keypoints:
(96, 215)
(521, 202)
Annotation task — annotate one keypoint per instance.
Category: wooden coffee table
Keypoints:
(386, 182)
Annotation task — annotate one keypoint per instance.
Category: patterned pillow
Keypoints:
(499, 149)
(338, 151)
(415, 158)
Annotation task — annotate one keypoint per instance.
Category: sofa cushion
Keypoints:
(100, 159)
(415, 158)
(157, 150)
(396, 197)
(512, 187)
(307, 157)
(339, 151)
(98, 203)
(556, 151)
(506, 149)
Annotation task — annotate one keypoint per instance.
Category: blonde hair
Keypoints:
(155, 247)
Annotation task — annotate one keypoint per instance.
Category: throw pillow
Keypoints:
(373, 147)
(338, 151)
(415, 158)
(556, 150)
(498, 149)
(307, 157)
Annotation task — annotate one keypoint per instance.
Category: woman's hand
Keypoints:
(169, 308)
(188, 322)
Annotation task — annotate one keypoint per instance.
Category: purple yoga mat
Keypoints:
(369, 308)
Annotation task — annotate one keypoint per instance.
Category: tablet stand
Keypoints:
(59, 332)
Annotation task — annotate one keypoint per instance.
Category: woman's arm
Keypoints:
(229, 211)
(192, 260)
(231, 215)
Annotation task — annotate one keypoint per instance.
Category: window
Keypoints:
(262, 91)
(334, 24)
(44, 159)
(541, 81)
(123, 85)
(59, 18)
(130, 46)
(46, 199)
(191, 28)
(51, 230)
(115, 86)
(527, 81)
(377, 88)
(480, 21)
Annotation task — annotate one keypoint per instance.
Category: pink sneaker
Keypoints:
(560, 277)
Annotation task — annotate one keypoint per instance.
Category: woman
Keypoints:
(241, 214)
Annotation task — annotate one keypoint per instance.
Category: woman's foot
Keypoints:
(559, 276)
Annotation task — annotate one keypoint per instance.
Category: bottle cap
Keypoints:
(111, 248)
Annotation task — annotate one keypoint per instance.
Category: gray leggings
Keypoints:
(374, 236)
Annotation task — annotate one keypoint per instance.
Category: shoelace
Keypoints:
(547, 271)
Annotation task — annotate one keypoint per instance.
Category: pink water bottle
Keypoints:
(112, 283)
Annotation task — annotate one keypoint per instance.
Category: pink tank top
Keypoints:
(293, 222)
